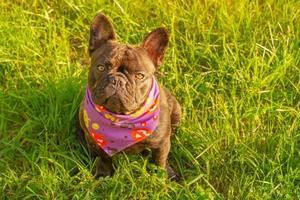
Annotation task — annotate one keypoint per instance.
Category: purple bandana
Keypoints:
(114, 132)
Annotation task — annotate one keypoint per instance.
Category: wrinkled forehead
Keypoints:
(116, 55)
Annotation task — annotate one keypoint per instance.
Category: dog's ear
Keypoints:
(156, 44)
(100, 32)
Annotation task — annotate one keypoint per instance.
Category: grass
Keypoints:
(233, 65)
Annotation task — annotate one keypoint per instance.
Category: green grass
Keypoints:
(233, 65)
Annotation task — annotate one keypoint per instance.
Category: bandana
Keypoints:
(114, 132)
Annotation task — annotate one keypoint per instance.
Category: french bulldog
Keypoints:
(125, 109)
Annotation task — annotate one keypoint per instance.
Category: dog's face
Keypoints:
(120, 76)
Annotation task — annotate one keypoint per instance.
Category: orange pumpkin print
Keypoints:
(100, 108)
(153, 107)
(140, 134)
(100, 140)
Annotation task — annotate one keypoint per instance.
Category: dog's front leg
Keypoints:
(104, 166)
(160, 158)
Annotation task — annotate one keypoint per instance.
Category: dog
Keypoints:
(125, 109)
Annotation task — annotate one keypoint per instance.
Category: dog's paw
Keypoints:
(172, 175)
(102, 169)
(101, 173)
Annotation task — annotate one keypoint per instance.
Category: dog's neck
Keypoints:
(153, 93)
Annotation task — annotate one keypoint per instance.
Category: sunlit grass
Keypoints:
(233, 65)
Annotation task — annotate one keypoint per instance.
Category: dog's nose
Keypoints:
(112, 80)
(117, 81)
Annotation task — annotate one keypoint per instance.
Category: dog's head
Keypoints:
(121, 75)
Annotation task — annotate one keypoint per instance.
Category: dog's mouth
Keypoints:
(116, 101)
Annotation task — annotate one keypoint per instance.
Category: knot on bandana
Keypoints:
(115, 132)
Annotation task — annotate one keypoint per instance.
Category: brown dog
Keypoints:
(120, 79)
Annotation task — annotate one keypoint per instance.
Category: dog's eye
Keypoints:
(139, 76)
(101, 68)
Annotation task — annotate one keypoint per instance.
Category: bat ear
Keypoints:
(156, 44)
(100, 32)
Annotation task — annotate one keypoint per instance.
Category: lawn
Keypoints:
(234, 65)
